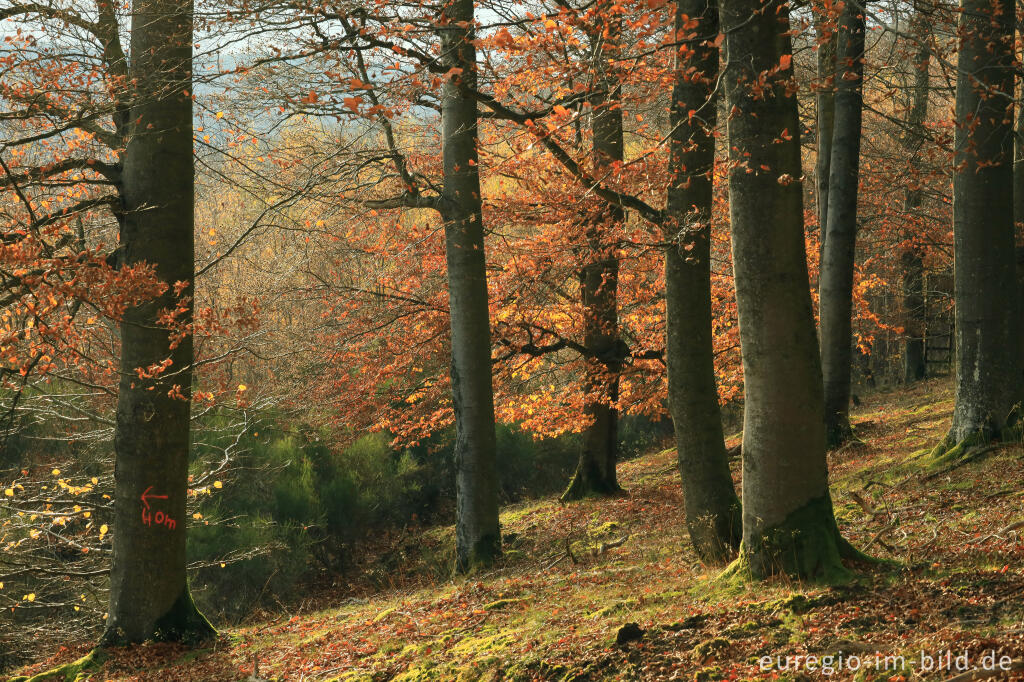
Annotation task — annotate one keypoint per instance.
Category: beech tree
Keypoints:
(840, 228)
(912, 260)
(788, 521)
(451, 191)
(988, 362)
(712, 507)
(477, 534)
(149, 595)
(599, 277)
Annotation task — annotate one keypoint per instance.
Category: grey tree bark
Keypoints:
(711, 505)
(788, 521)
(599, 281)
(839, 253)
(149, 595)
(477, 531)
(988, 386)
(914, 361)
(824, 122)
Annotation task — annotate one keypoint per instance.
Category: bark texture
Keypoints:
(711, 505)
(477, 531)
(825, 120)
(149, 596)
(915, 365)
(784, 467)
(599, 285)
(989, 382)
(839, 253)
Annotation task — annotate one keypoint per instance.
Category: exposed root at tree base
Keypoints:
(69, 672)
(949, 454)
(806, 546)
(581, 488)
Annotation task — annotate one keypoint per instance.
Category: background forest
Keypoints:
(318, 281)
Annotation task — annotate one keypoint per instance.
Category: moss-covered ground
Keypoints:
(569, 582)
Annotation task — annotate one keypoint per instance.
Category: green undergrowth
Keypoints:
(554, 606)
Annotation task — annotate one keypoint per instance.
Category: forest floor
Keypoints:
(547, 613)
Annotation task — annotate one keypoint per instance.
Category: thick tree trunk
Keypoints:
(988, 363)
(788, 522)
(477, 531)
(914, 361)
(149, 595)
(599, 285)
(711, 506)
(839, 254)
(825, 121)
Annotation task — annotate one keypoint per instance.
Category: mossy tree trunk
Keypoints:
(711, 505)
(599, 281)
(788, 523)
(839, 253)
(149, 596)
(989, 378)
(477, 531)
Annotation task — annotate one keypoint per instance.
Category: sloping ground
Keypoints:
(575, 575)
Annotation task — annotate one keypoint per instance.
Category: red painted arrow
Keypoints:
(146, 497)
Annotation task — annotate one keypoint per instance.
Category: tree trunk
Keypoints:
(477, 531)
(914, 366)
(914, 361)
(839, 254)
(988, 365)
(710, 503)
(825, 120)
(788, 522)
(599, 284)
(149, 595)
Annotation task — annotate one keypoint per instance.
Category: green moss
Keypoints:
(76, 671)
(503, 603)
(708, 674)
(617, 607)
(603, 529)
(383, 614)
(807, 545)
(711, 647)
(482, 554)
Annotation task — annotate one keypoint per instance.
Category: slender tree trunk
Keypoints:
(149, 595)
(914, 365)
(1018, 198)
(788, 522)
(839, 254)
(599, 284)
(988, 364)
(711, 505)
(914, 361)
(825, 121)
(477, 531)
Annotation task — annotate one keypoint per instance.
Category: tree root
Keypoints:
(76, 671)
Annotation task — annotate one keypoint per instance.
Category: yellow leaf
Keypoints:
(220, 114)
(9, 492)
(103, 530)
(55, 472)
(218, 484)
(242, 387)
(31, 596)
